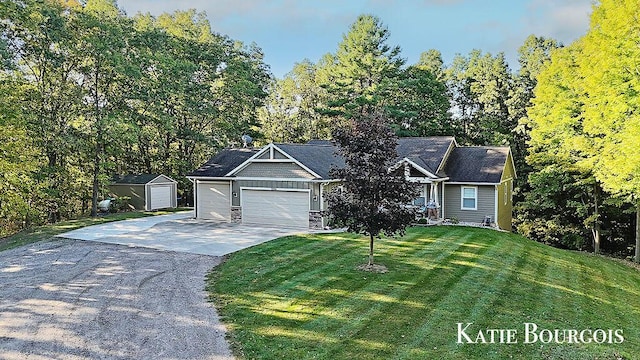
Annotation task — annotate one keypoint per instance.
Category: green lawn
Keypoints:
(46, 232)
(300, 297)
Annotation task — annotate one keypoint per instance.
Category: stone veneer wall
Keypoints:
(315, 220)
(236, 214)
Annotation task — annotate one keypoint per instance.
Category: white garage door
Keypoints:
(214, 201)
(277, 208)
(160, 196)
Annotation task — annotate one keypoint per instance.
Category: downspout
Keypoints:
(443, 202)
(321, 199)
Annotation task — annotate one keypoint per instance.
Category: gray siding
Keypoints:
(315, 189)
(278, 155)
(274, 170)
(162, 179)
(135, 192)
(327, 189)
(485, 205)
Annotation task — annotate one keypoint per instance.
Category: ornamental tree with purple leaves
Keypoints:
(373, 197)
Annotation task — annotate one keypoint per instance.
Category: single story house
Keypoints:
(147, 191)
(284, 184)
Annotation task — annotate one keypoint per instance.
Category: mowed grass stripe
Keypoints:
(321, 307)
(356, 308)
(476, 293)
(284, 258)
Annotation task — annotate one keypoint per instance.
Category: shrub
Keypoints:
(120, 203)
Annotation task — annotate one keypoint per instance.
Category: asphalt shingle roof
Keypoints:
(465, 164)
(319, 156)
(426, 152)
(476, 164)
(225, 161)
(134, 179)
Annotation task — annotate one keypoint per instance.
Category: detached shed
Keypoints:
(147, 191)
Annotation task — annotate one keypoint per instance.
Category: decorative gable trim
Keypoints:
(419, 168)
(167, 180)
(271, 149)
(513, 164)
(452, 145)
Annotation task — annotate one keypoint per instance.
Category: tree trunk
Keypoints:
(95, 189)
(596, 225)
(637, 257)
(371, 249)
(96, 159)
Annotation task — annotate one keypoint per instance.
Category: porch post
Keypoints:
(434, 186)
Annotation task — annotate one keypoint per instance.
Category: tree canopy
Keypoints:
(372, 199)
(102, 93)
(586, 111)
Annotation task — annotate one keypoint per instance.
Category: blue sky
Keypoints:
(289, 31)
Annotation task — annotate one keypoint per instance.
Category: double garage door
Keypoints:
(275, 208)
(260, 207)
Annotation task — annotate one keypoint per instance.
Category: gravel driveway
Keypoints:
(71, 299)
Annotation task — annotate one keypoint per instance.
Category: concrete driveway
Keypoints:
(107, 292)
(72, 299)
(180, 232)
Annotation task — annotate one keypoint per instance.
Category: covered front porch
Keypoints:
(428, 203)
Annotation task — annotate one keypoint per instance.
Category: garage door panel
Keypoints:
(277, 208)
(214, 201)
(160, 196)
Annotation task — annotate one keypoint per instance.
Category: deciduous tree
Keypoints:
(372, 199)
(587, 102)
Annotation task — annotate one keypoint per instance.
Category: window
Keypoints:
(469, 198)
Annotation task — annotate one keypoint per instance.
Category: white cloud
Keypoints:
(563, 20)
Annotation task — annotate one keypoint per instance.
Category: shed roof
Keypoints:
(477, 164)
(225, 161)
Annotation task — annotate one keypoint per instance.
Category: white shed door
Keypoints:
(276, 208)
(160, 196)
(214, 201)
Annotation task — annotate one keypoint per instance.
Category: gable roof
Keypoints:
(138, 179)
(318, 156)
(426, 152)
(477, 164)
(321, 155)
(439, 155)
(225, 161)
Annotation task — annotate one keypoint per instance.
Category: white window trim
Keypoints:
(475, 189)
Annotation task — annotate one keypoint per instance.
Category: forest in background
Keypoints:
(87, 92)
